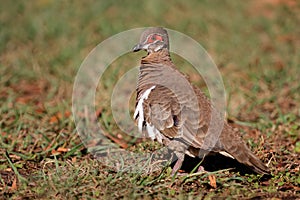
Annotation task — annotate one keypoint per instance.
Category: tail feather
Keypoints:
(248, 158)
(235, 146)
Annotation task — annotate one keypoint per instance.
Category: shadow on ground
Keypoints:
(214, 163)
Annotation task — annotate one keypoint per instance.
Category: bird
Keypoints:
(177, 114)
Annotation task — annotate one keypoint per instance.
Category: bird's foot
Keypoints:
(201, 169)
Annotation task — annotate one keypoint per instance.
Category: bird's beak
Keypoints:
(137, 47)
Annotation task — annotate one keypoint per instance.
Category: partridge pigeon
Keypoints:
(177, 114)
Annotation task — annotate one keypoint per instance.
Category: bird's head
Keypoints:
(152, 40)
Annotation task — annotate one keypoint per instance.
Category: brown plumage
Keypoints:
(177, 114)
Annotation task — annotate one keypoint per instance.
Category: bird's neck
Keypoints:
(151, 69)
(162, 56)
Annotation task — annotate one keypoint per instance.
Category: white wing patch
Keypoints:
(187, 152)
(153, 133)
(226, 154)
(139, 108)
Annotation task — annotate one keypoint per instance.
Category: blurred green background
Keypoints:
(254, 43)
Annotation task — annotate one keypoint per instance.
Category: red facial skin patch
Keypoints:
(154, 37)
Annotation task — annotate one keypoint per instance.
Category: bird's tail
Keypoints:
(236, 147)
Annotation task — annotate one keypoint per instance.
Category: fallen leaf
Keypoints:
(61, 149)
(53, 119)
(74, 159)
(67, 114)
(212, 181)
(54, 152)
(14, 185)
(120, 142)
(58, 116)
(99, 112)
(15, 157)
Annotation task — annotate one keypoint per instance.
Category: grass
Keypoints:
(255, 45)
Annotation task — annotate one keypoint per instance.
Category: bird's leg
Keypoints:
(201, 154)
(178, 164)
(179, 149)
